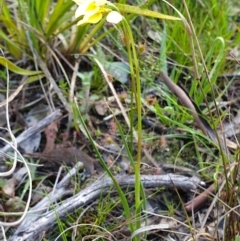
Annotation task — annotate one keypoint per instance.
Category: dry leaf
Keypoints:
(113, 127)
(68, 156)
(33, 117)
(101, 107)
(9, 187)
(50, 133)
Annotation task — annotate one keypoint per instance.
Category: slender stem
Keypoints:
(136, 84)
(85, 44)
(222, 144)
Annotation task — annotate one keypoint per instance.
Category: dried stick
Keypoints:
(91, 193)
(33, 130)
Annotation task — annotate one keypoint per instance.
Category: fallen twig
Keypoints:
(201, 199)
(33, 130)
(34, 229)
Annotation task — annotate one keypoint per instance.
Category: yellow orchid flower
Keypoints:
(93, 10)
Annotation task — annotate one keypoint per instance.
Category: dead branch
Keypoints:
(35, 228)
(33, 130)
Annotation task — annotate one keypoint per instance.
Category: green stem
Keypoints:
(122, 195)
(136, 85)
(84, 47)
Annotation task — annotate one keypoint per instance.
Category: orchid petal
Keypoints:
(92, 11)
(81, 10)
(114, 17)
(100, 2)
(90, 19)
(95, 18)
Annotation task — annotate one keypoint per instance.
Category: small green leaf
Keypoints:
(125, 8)
(42, 10)
(35, 78)
(12, 47)
(59, 16)
(14, 68)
